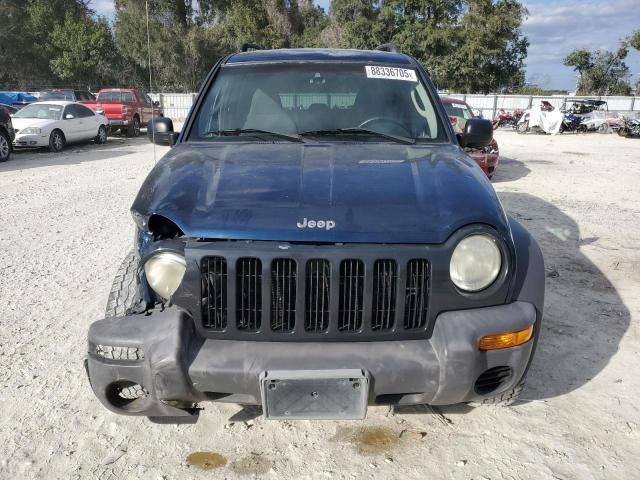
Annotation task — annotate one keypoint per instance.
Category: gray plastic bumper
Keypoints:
(179, 368)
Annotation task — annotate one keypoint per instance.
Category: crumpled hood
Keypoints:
(375, 193)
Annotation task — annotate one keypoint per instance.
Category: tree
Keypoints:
(182, 50)
(634, 40)
(601, 72)
(467, 45)
(85, 51)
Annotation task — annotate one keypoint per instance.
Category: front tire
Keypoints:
(504, 399)
(56, 141)
(101, 138)
(5, 147)
(124, 291)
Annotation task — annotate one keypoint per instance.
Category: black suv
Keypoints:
(317, 241)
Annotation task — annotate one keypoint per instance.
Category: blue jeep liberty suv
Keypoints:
(317, 241)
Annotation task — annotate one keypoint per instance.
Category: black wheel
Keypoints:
(134, 128)
(124, 291)
(5, 147)
(56, 141)
(502, 400)
(102, 135)
(623, 132)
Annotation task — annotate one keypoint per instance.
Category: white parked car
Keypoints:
(53, 124)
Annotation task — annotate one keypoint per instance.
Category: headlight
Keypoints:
(31, 131)
(164, 272)
(475, 263)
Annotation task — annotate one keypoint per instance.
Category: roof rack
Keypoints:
(250, 46)
(388, 47)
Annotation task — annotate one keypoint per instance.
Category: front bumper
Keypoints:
(179, 368)
(31, 140)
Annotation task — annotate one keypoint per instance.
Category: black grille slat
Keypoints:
(385, 280)
(317, 291)
(248, 294)
(416, 294)
(351, 293)
(283, 294)
(214, 292)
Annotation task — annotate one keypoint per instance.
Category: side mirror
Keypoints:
(160, 131)
(156, 103)
(477, 133)
(477, 113)
(69, 116)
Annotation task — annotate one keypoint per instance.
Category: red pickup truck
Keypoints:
(126, 109)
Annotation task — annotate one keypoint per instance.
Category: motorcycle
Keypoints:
(507, 119)
(572, 123)
(630, 127)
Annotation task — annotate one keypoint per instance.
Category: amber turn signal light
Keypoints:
(506, 340)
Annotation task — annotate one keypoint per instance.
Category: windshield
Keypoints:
(57, 95)
(323, 101)
(458, 113)
(46, 111)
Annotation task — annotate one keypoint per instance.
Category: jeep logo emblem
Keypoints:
(326, 224)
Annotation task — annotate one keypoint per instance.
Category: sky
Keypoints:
(554, 28)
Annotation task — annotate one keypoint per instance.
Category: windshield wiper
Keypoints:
(361, 131)
(257, 131)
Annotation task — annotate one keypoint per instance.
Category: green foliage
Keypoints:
(470, 46)
(601, 72)
(82, 50)
(634, 40)
(467, 45)
(53, 42)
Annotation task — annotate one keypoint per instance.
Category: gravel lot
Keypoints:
(65, 226)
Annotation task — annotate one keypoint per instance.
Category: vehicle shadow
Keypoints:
(23, 159)
(584, 318)
(509, 169)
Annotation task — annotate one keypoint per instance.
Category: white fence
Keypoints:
(490, 104)
(174, 105)
(177, 105)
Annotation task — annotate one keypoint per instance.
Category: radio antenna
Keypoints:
(153, 131)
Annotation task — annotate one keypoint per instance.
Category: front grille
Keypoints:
(214, 293)
(249, 294)
(315, 298)
(318, 289)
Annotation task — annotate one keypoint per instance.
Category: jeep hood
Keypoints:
(374, 193)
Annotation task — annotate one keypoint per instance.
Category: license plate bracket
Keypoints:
(314, 394)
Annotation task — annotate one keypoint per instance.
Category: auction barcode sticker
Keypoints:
(391, 73)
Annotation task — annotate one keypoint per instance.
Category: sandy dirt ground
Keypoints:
(65, 226)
